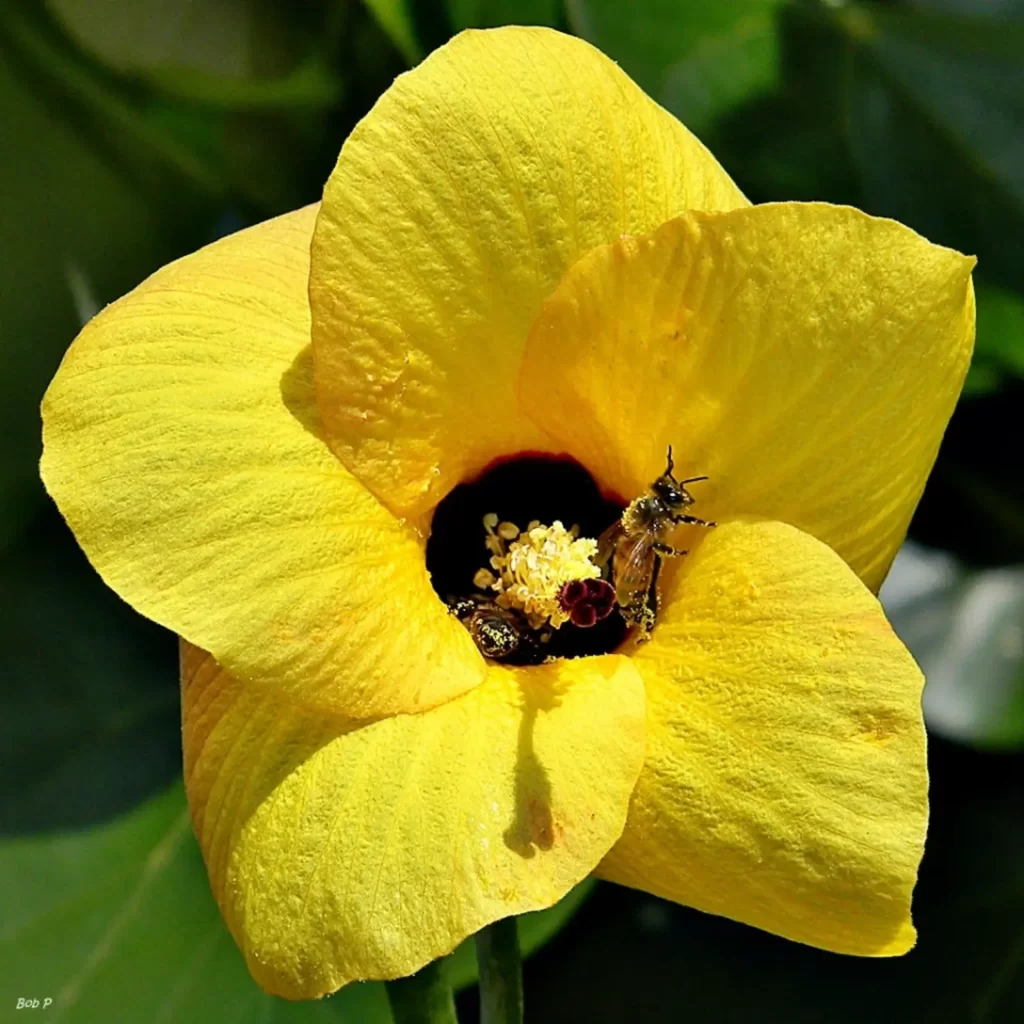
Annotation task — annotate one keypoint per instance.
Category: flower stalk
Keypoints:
(501, 973)
(423, 998)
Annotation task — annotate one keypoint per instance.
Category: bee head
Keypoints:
(673, 492)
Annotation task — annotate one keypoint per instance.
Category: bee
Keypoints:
(632, 548)
(499, 633)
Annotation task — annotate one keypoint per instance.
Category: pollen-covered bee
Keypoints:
(631, 549)
(499, 633)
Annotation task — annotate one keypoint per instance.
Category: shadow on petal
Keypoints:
(298, 391)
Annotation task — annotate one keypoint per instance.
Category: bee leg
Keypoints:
(644, 613)
(684, 520)
(640, 615)
(668, 551)
(645, 625)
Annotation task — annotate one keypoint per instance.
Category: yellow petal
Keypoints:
(182, 445)
(785, 783)
(456, 206)
(805, 357)
(340, 850)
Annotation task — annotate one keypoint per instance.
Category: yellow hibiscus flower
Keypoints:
(518, 251)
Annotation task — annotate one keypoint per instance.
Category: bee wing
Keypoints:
(634, 566)
(608, 542)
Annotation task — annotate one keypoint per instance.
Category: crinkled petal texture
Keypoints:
(805, 357)
(343, 850)
(785, 783)
(455, 208)
(182, 444)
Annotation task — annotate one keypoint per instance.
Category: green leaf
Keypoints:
(310, 86)
(118, 923)
(966, 631)
(137, 36)
(789, 144)
(395, 18)
(999, 351)
(108, 118)
(73, 217)
(982, 379)
(978, 8)
(233, 54)
(933, 108)
(491, 13)
(700, 60)
(89, 719)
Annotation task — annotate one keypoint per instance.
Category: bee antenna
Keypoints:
(692, 480)
(671, 464)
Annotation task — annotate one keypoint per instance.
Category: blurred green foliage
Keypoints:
(138, 130)
(395, 18)
(966, 629)
(699, 60)
(233, 54)
(491, 13)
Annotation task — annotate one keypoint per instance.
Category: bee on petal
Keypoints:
(632, 548)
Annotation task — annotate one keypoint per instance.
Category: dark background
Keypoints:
(137, 130)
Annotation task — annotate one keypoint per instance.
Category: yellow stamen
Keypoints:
(484, 578)
(534, 568)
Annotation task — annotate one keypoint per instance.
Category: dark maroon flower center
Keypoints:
(521, 489)
(587, 602)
